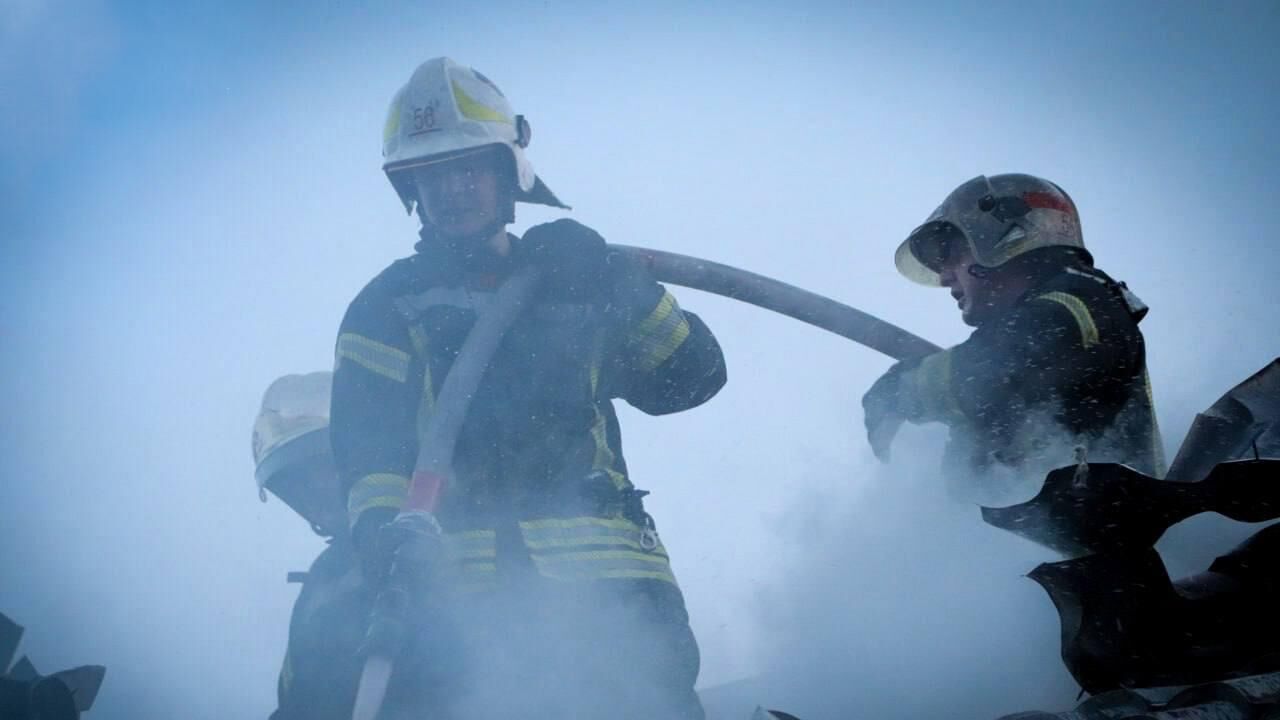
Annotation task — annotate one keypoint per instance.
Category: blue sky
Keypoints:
(191, 195)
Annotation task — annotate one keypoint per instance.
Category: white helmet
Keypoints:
(291, 434)
(1000, 218)
(445, 110)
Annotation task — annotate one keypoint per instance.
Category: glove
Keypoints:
(368, 537)
(408, 554)
(573, 259)
(881, 407)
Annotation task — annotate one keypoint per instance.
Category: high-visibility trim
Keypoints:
(929, 386)
(476, 553)
(376, 490)
(592, 548)
(561, 543)
(563, 533)
(604, 458)
(562, 526)
(1078, 310)
(392, 125)
(600, 564)
(659, 335)
(475, 110)
(374, 356)
(472, 544)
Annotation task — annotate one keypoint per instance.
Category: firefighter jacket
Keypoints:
(540, 482)
(1065, 367)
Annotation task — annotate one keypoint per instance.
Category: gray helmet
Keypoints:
(1000, 217)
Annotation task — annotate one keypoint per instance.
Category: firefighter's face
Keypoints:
(979, 293)
(462, 197)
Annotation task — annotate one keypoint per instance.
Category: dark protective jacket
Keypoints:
(1064, 367)
(322, 664)
(539, 465)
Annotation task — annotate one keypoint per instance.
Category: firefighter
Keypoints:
(563, 598)
(293, 462)
(1056, 363)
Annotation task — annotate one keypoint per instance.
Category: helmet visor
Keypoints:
(921, 255)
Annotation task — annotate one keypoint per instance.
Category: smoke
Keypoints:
(198, 227)
(900, 602)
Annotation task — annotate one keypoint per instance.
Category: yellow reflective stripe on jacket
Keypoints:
(601, 564)
(476, 554)
(374, 356)
(929, 385)
(473, 544)
(579, 531)
(604, 457)
(592, 548)
(376, 490)
(1078, 310)
(659, 335)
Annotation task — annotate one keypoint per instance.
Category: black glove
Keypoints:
(367, 536)
(409, 554)
(882, 413)
(573, 259)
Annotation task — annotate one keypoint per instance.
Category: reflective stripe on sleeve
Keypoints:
(659, 335)
(1078, 310)
(374, 356)
(928, 386)
(376, 490)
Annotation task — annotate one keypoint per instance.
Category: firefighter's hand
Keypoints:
(880, 406)
(573, 259)
(371, 547)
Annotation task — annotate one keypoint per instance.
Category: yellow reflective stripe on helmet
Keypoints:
(475, 110)
(392, 126)
(659, 335)
(1078, 310)
(374, 356)
(929, 384)
(376, 490)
